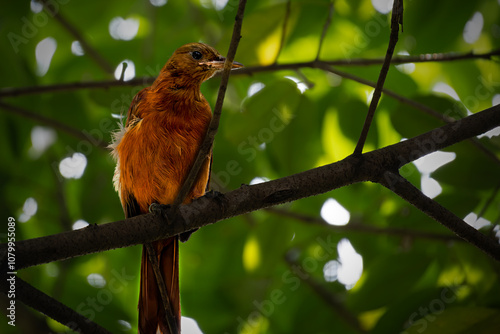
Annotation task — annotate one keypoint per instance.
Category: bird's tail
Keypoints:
(152, 318)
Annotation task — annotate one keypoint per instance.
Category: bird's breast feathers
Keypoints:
(154, 153)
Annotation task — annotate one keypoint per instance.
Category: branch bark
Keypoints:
(325, 28)
(397, 19)
(374, 166)
(144, 81)
(207, 144)
(411, 194)
(333, 301)
(360, 227)
(38, 300)
(54, 12)
(52, 123)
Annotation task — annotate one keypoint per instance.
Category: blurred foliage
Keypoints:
(234, 277)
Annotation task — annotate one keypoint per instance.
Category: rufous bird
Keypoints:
(165, 126)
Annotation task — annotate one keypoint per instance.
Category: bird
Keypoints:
(154, 151)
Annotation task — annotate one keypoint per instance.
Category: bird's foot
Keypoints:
(219, 197)
(183, 237)
(162, 210)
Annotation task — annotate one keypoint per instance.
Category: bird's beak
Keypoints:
(219, 64)
(237, 65)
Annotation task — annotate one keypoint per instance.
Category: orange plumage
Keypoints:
(165, 127)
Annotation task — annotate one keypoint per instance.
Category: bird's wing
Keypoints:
(136, 110)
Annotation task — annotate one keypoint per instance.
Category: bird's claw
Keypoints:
(213, 194)
(160, 210)
(219, 197)
(184, 236)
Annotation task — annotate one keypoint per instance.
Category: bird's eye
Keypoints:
(196, 55)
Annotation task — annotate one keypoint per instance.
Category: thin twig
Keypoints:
(489, 201)
(423, 58)
(144, 81)
(148, 80)
(65, 222)
(51, 307)
(407, 191)
(417, 105)
(64, 216)
(304, 79)
(397, 17)
(388, 92)
(491, 230)
(124, 68)
(356, 226)
(332, 300)
(207, 144)
(87, 48)
(11, 91)
(52, 123)
(325, 28)
(284, 30)
(167, 306)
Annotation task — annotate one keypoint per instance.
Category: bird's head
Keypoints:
(196, 62)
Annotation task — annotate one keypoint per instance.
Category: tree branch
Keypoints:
(51, 307)
(325, 28)
(372, 166)
(328, 297)
(203, 153)
(144, 81)
(388, 92)
(417, 105)
(78, 36)
(423, 58)
(489, 201)
(11, 91)
(207, 144)
(357, 226)
(397, 18)
(408, 192)
(52, 123)
(284, 29)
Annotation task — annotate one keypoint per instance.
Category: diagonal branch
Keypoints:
(203, 152)
(38, 300)
(407, 191)
(388, 92)
(283, 30)
(357, 226)
(333, 301)
(423, 58)
(11, 91)
(417, 105)
(53, 11)
(207, 144)
(52, 123)
(397, 18)
(325, 28)
(370, 166)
